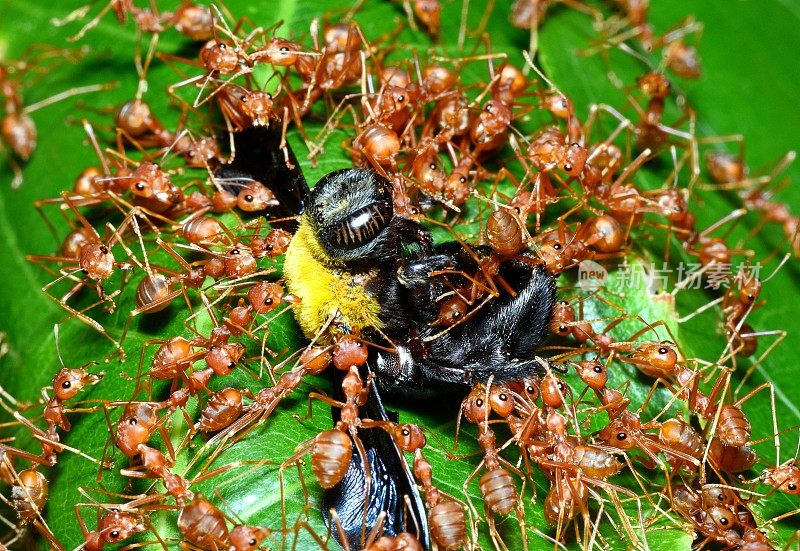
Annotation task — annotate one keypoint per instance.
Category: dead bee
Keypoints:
(357, 266)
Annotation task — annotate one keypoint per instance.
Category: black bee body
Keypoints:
(393, 259)
(499, 340)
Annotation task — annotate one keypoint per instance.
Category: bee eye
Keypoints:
(361, 227)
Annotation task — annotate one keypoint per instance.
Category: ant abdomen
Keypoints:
(448, 524)
(330, 457)
(498, 490)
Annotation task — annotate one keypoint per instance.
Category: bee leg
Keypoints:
(411, 233)
(418, 272)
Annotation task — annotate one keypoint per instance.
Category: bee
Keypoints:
(355, 265)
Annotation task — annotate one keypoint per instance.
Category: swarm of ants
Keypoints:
(215, 411)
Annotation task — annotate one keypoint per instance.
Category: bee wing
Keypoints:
(392, 489)
(260, 157)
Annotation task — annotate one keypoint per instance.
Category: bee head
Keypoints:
(350, 211)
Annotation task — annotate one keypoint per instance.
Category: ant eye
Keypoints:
(248, 198)
(284, 49)
(463, 179)
(662, 350)
(405, 432)
(598, 369)
(222, 47)
(792, 486)
(253, 541)
(432, 166)
(232, 365)
(622, 435)
(479, 402)
(66, 384)
(235, 251)
(268, 301)
(133, 421)
(104, 249)
(140, 186)
(557, 246)
(401, 98)
(115, 534)
(503, 397)
(567, 167)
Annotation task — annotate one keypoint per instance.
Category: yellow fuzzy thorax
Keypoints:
(325, 291)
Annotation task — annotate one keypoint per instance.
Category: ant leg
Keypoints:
(781, 334)
(83, 317)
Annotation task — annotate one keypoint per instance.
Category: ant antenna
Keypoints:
(539, 72)
(58, 346)
(775, 271)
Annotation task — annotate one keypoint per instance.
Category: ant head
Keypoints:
(593, 373)
(475, 406)
(501, 401)
(349, 351)
(655, 85)
(258, 106)
(553, 390)
(247, 538)
(255, 197)
(219, 56)
(282, 52)
(68, 382)
(749, 287)
(409, 437)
